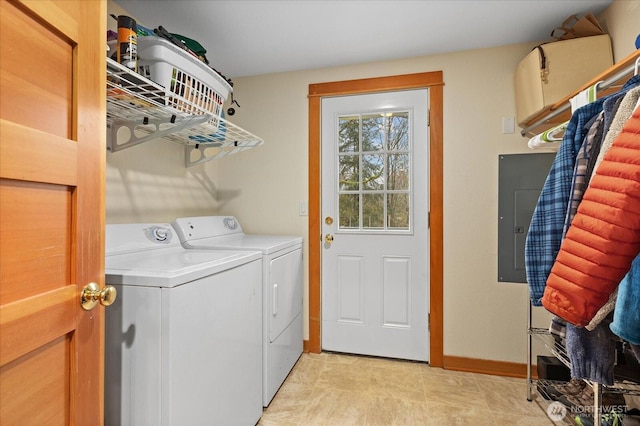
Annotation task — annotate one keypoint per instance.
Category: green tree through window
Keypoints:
(374, 171)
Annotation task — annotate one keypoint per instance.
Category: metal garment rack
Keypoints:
(609, 80)
(559, 351)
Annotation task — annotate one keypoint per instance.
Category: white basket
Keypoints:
(190, 85)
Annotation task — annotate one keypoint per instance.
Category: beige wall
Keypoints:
(482, 318)
(264, 187)
(621, 20)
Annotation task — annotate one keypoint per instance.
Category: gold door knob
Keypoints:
(328, 238)
(91, 295)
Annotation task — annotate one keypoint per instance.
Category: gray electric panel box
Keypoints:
(521, 178)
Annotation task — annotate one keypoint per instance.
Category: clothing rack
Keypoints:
(560, 111)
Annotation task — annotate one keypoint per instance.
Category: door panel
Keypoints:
(350, 275)
(375, 265)
(396, 291)
(39, 379)
(37, 217)
(36, 88)
(52, 148)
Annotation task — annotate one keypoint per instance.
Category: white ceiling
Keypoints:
(252, 37)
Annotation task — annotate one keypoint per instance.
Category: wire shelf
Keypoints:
(137, 112)
(557, 348)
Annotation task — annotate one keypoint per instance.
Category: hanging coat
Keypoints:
(604, 236)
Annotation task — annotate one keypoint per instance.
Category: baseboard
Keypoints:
(475, 365)
(485, 366)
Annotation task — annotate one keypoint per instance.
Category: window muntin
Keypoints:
(374, 172)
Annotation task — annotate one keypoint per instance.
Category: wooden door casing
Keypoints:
(434, 81)
(52, 162)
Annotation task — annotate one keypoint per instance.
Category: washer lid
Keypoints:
(150, 254)
(172, 266)
(135, 237)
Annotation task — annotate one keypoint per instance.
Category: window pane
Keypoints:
(398, 166)
(348, 133)
(399, 131)
(373, 211)
(372, 172)
(349, 210)
(348, 173)
(372, 132)
(398, 211)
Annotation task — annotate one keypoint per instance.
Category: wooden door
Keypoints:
(52, 161)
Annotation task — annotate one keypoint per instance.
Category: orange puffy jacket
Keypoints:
(604, 236)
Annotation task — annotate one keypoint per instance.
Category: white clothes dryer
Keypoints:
(183, 338)
(282, 288)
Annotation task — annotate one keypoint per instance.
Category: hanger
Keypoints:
(635, 68)
(550, 138)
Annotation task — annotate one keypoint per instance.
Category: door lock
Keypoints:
(328, 238)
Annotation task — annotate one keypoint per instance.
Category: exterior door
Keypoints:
(375, 259)
(52, 160)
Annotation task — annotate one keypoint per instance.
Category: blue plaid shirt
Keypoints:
(545, 232)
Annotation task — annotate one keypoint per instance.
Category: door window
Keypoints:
(374, 170)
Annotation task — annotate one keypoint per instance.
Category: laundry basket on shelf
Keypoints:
(190, 85)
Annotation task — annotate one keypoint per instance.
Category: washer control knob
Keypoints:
(158, 234)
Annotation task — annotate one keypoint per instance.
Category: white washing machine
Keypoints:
(183, 338)
(282, 288)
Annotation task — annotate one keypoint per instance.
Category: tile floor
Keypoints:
(340, 390)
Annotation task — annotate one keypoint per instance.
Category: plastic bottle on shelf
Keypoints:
(127, 42)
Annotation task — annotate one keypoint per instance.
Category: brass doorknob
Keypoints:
(92, 295)
(328, 238)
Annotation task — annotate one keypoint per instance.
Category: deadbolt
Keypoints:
(92, 295)
(328, 220)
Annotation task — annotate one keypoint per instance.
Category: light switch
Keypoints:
(302, 209)
(508, 125)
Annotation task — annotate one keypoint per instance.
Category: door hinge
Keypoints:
(429, 220)
(428, 117)
(429, 322)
